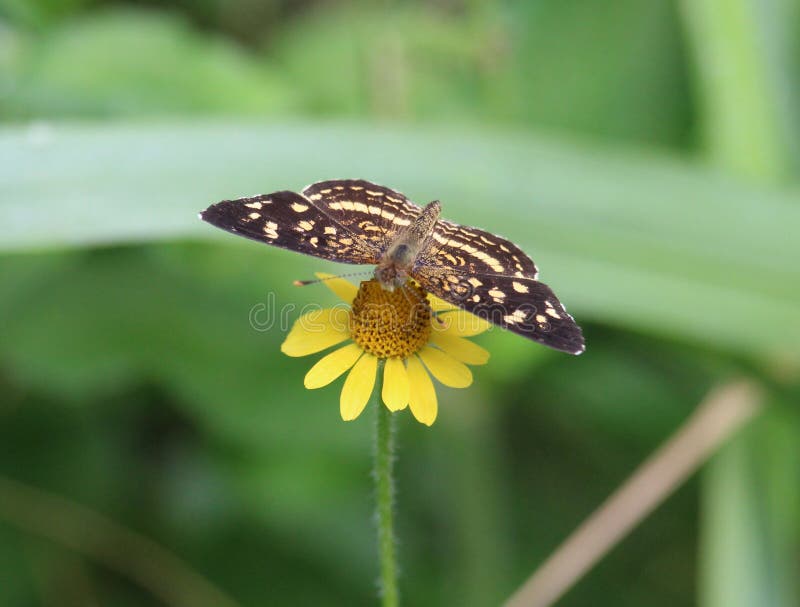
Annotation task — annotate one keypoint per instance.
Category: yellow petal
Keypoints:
(332, 366)
(445, 368)
(316, 331)
(343, 289)
(358, 387)
(395, 384)
(461, 323)
(460, 348)
(440, 305)
(422, 395)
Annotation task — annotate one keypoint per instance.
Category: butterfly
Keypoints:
(358, 222)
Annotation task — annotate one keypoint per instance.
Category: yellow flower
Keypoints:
(413, 332)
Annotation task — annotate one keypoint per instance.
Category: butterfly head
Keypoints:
(390, 276)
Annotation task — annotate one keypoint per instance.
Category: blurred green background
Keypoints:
(644, 152)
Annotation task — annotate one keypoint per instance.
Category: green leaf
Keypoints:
(133, 62)
(644, 242)
(750, 504)
(741, 51)
(746, 68)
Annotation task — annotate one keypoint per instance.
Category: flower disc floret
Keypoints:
(390, 324)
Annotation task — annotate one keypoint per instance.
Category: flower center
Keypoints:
(390, 323)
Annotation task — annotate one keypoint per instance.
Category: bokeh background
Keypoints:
(156, 449)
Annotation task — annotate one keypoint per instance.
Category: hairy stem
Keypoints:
(384, 486)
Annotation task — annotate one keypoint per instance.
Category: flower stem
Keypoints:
(384, 486)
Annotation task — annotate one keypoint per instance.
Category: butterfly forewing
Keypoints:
(472, 250)
(522, 305)
(374, 212)
(290, 221)
(493, 278)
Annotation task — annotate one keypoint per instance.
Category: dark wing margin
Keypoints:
(475, 251)
(370, 210)
(522, 305)
(289, 220)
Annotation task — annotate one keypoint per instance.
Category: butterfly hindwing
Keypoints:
(522, 305)
(290, 221)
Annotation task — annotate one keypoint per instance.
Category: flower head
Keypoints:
(415, 334)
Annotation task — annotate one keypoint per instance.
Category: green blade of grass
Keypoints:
(632, 239)
(742, 52)
(744, 62)
(750, 504)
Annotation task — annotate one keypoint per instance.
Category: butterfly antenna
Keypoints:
(304, 283)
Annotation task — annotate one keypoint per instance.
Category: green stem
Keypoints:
(384, 485)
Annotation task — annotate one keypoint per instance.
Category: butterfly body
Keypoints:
(397, 263)
(359, 222)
